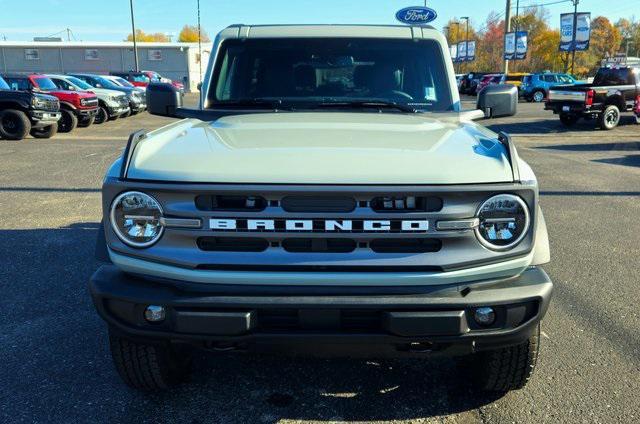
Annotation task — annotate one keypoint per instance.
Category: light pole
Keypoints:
(507, 29)
(133, 32)
(466, 39)
(573, 40)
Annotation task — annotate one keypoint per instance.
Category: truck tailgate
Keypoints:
(567, 96)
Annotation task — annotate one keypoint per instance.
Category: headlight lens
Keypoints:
(504, 221)
(135, 218)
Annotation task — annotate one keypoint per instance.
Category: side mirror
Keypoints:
(98, 85)
(498, 100)
(163, 99)
(199, 86)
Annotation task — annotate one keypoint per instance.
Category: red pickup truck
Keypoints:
(77, 108)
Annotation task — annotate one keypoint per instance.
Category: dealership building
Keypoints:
(178, 61)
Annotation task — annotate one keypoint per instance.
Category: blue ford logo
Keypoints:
(416, 15)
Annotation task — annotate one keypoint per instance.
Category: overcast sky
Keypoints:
(108, 20)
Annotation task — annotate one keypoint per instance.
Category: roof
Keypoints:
(330, 31)
(96, 44)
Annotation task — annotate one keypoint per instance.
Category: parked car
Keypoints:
(77, 108)
(470, 81)
(25, 112)
(156, 77)
(490, 79)
(535, 87)
(393, 225)
(138, 79)
(112, 104)
(614, 90)
(121, 81)
(516, 78)
(137, 98)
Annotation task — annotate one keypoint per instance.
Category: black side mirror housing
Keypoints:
(163, 99)
(498, 100)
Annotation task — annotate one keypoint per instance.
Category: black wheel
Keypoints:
(46, 132)
(87, 122)
(568, 119)
(506, 369)
(126, 114)
(610, 118)
(538, 96)
(113, 117)
(68, 122)
(14, 124)
(146, 366)
(101, 115)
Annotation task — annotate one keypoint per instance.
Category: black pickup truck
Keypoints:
(24, 112)
(614, 90)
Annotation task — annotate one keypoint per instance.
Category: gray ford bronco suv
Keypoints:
(328, 196)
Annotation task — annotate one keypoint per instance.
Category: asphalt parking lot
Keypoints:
(53, 348)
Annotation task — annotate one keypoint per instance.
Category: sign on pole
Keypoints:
(521, 45)
(462, 51)
(509, 45)
(471, 51)
(582, 31)
(454, 52)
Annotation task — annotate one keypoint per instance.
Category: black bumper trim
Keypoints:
(232, 314)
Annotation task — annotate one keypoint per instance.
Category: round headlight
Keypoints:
(135, 217)
(504, 221)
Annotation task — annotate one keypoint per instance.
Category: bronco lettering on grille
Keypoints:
(320, 225)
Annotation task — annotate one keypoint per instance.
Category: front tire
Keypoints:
(87, 122)
(46, 132)
(610, 118)
(146, 366)
(102, 115)
(506, 369)
(126, 114)
(14, 124)
(68, 122)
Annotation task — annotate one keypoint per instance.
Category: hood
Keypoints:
(105, 92)
(323, 148)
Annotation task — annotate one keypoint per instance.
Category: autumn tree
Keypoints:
(143, 36)
(189, 34)
(490, 47)
(630, 32)
(606, 40)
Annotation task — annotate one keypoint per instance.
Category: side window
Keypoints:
(61, 84)
(18, 84)
(549, 78)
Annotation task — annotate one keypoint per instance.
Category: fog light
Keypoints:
(154, 313)
(484, 316)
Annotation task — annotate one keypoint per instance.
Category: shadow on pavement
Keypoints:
(594, 147)
(55, 358)
(549, 126)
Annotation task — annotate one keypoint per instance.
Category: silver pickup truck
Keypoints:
(328, 195)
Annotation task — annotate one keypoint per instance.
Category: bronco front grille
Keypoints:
(322, 229)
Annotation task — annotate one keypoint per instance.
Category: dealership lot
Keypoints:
(55, 361)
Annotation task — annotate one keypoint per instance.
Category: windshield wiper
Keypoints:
(368, 104)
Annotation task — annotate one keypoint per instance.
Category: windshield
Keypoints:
(105, 83)
(308, 72)
(45, 84)
(123, 82)
(4, 85)
(79, 83)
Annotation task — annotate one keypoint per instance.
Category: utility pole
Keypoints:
(133, 32)
(507, 28)
(515, 58)
(199, 45)
(575, 29)
(466, 39)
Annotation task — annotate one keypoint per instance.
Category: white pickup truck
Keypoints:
(328, 194)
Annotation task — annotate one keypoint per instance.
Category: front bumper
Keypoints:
(41, 119)
(402, 319)
(137, 107)
(86, 113)
(117, 110)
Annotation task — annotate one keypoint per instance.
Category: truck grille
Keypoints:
(90, 102)
(323, 228)
(51, 105)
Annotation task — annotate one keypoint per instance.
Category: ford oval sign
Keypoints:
(416, 15)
